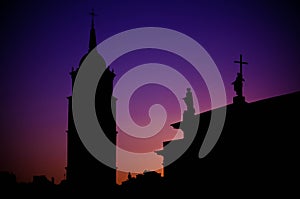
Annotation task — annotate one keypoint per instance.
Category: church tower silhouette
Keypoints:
(84, 171)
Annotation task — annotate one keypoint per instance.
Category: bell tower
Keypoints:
(84, 172)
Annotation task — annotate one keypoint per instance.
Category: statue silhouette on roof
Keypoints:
(238, 85)
(188, 99)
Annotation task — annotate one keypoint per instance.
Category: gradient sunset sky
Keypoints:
(42, 40)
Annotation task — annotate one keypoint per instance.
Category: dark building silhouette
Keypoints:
(7, 179)
(256, 153)
(42, 180)
(145, 183)
(83, 170)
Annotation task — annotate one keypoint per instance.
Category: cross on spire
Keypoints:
(241, 62)
(93, 15)
(92, 42)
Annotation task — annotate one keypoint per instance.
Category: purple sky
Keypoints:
(42, 40)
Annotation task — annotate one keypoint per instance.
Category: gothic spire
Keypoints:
(92, 42)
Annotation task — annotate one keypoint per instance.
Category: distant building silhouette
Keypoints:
(149, 181)
(7, 179)
(42, 180)
(83, 171)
